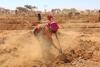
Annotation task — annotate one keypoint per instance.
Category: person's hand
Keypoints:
(61, 26)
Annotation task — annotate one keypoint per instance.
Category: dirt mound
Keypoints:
(86, 54)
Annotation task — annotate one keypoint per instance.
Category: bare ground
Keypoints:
(80, 45)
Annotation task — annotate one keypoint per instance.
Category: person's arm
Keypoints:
(61, 26)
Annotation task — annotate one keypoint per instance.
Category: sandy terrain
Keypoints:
(80, 45)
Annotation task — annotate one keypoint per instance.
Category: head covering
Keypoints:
(50, 16)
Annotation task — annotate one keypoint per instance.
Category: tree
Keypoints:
(21, 9)
(65, 11)
(73, 10)
(30, 7)
(2, 10)
(88, 12)
(7, 11)
(56, 10)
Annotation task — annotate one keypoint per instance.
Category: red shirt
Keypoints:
(53, 26)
